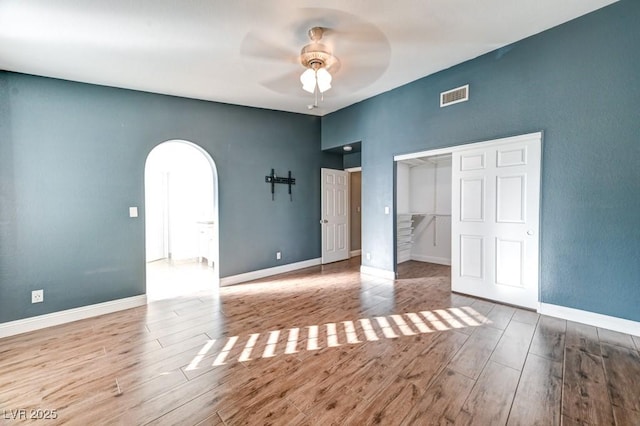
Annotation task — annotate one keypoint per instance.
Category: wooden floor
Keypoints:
(323, 346)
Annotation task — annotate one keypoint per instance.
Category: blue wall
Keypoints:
(72, 161)
(580, 84)
(351, 160)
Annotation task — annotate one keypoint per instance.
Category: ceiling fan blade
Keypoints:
(364, 33)
(339, 25)
(356, 77)
(256, 47)
(259, 53)
(286, 84)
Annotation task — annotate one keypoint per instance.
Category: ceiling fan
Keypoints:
(342, 53)
(318, 60)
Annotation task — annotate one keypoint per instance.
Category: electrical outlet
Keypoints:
(278, 255)
(368, 256)
(37, 296)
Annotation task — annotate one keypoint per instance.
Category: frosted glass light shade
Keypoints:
(308, 80)
(324, 80)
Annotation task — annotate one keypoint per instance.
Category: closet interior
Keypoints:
(424, 209)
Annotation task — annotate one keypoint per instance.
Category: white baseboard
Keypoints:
(62, 317)
(262, 273)
(591, 318)
(355, 253)
(381, 273)
(431, 259)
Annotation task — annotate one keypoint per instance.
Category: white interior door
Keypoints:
(495, 220)
(335, 215)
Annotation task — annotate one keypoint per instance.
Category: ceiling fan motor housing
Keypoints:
(316, 55)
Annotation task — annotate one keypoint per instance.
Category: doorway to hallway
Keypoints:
(181, 220)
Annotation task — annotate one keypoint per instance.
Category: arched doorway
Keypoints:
(181, 220)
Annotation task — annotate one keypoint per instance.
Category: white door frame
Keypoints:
(452, 149)
(350, 170)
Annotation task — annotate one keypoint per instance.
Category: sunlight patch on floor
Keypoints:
(335, 334)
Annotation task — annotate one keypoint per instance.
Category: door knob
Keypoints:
(324, 221)
(529, 232)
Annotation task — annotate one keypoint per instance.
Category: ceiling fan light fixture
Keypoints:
(324, 79)
(316, 76)
(308, 80)
(316, 58)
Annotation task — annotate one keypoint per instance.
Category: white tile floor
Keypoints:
(167, 279)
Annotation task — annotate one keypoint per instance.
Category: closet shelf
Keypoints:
(404, 233)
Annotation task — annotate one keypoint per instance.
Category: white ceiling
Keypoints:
(244, 51)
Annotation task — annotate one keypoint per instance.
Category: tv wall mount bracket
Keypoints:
(273, 179)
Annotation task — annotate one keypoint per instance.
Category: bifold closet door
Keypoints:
(495, 220)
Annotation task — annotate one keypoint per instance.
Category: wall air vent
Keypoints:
(454, 96)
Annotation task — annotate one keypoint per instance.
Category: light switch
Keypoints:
(386, 209)
(133, 212)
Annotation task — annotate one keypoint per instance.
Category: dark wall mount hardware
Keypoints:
(273, 179)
